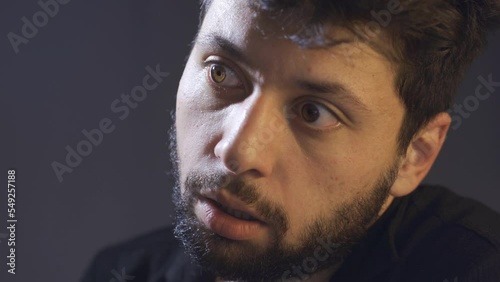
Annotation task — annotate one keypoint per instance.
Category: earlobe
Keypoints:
(421, 154)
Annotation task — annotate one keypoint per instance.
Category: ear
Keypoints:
(421, 154)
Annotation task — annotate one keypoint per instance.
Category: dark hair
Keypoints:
(430, 42)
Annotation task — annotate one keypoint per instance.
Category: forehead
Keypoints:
(242, 23)
(236, 18)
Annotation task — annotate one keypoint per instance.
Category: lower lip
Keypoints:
(227, 225)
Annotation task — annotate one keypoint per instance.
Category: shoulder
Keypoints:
(450, 235)
(457, 212)
(138, 258)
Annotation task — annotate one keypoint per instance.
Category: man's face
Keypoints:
(302, 141)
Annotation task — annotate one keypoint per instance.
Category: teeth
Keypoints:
(238, 214)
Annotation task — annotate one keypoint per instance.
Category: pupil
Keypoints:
(218, 74)
(310, 113)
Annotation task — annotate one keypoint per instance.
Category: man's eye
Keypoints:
(317, 115)
(223, 75)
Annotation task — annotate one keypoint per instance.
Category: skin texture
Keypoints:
(314, 162)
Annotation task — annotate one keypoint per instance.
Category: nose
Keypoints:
(253, 131)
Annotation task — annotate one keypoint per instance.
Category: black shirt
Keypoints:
(429, 235)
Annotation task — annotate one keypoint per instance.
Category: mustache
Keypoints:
(197, 183)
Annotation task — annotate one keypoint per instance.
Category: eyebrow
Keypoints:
(227, 46)
(209, 40)
(318, 87)
(333, 88)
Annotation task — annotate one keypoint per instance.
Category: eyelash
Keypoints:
(209, 63)
(317, 129)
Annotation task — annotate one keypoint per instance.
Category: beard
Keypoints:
(323, 243)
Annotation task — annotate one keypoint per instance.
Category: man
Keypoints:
(303, 131)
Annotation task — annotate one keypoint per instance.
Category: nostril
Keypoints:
(230, 163)
(233, 165)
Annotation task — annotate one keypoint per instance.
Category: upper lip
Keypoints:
(232, 203)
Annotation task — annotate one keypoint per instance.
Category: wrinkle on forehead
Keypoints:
(269, 28)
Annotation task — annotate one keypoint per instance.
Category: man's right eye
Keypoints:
(223, 75)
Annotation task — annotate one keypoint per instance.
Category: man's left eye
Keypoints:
(222, 75)
(317, 115)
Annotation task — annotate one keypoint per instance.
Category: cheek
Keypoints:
(333, 177)
(197, 128)
(357, 168)
(191, 86)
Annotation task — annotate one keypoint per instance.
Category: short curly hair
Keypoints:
(431, 42)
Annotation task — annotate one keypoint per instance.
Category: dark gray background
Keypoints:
(64, 80)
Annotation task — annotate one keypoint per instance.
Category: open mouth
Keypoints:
(236, 213)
